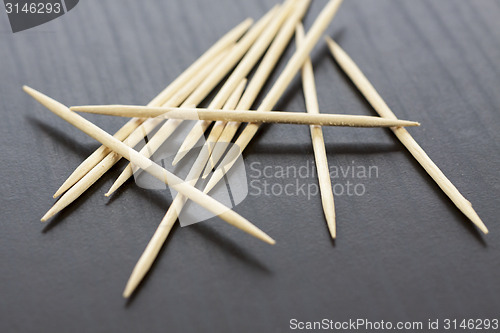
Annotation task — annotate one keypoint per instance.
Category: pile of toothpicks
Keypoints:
(235, 55)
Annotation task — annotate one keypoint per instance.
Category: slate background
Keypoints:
(404, 252)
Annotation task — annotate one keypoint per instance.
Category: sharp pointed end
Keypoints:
(334, 47)
(330, 221)
(333, 231)
(180, 155)
(481, 226)
(248, 22)
(176, 160)
(213, 181)
(79, 108)
(40, 97)
(257, 233)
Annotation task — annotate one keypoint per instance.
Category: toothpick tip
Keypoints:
(333, 233)
(408, 123)
(132, 284)
(50, 213)
(28, 90)
(332, 44)
(468, 211)
(180, 155)
(213, 181)
(332, 229)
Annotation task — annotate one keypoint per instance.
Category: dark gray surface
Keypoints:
(404, 252)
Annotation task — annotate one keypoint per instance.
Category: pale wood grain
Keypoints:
(149, 166)
(225, 42)
(133, 139)
(277, 117)
(240, 72)
(151, 252)
(202, 90)
(223, 132)
(291, 69)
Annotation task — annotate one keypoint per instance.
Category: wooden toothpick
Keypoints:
(274, 53)
(224, 43)
(318, 142)
(161, 233)
(203, 87)
(279, 117)
(241, 71)
(367, 89)
(152, 146)
(291, 69)
(223, 132)
(149, 166)
(202, 90)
